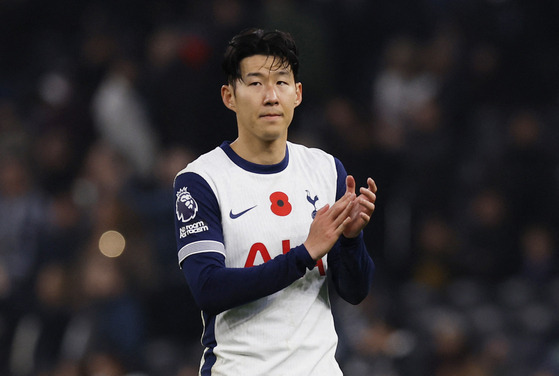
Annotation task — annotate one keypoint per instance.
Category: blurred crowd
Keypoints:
(451, 106)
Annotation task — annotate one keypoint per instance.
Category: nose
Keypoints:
(271, 96)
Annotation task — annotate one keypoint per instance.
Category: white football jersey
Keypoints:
(264, 211)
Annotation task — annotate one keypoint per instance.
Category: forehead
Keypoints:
(264, 64)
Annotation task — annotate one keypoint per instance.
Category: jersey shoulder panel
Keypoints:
(197, 213)
(208, 165)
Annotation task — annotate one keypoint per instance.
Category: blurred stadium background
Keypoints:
(451, 105)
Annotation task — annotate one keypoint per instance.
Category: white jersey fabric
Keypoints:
(264, 214)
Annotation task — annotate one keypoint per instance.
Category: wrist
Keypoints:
(347, 241)
(312, 254)
(307, 257)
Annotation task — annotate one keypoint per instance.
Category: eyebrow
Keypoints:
(280, 72)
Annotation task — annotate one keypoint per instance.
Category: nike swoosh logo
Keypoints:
(237, 215)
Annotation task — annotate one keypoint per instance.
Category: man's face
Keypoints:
(264, 99)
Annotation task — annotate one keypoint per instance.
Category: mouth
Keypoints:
(271, 116)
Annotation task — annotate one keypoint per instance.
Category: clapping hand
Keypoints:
(348, 216)
(362, 208)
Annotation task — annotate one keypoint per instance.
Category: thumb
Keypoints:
(350, 184)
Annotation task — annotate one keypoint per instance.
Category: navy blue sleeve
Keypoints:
(350, 266)
(205, 211)
(340, 183)
(351, 269)
(216, 288)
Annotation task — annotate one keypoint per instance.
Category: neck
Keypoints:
(269, 153)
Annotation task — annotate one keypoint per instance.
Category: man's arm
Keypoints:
(351, 269)
(349, 263)
(217, 288)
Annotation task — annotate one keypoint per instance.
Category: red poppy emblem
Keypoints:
(280, 204)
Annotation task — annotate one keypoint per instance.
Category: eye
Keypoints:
(282, 83)
(255, 83)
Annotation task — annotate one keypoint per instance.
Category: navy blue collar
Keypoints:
(253, 167)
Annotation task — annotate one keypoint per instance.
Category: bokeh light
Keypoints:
(112, 243)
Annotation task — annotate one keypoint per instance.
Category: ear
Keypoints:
(298, 93)
(228, 97)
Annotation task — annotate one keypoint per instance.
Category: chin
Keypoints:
(272, 138)
(273, 135)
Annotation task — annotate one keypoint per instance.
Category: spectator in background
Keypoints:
(23, 219)
(108, 317)
(487, 252)
(39, 331)
(530, 168)
(540, 259)
(401, 89)
(435, 251)
(25, 214)
(120, 117)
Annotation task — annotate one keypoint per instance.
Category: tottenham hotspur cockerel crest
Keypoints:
(186, 207)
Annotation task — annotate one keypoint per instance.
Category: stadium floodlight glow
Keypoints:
(112, 243)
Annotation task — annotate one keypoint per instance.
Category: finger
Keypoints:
(344, 215)
(341, 204)
(368, 205)
(343, 225)
(350, 184)
(323, 209)
(368, 193)
(372, 185)
(365, 217)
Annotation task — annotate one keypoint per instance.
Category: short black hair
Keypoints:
(250, 42)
